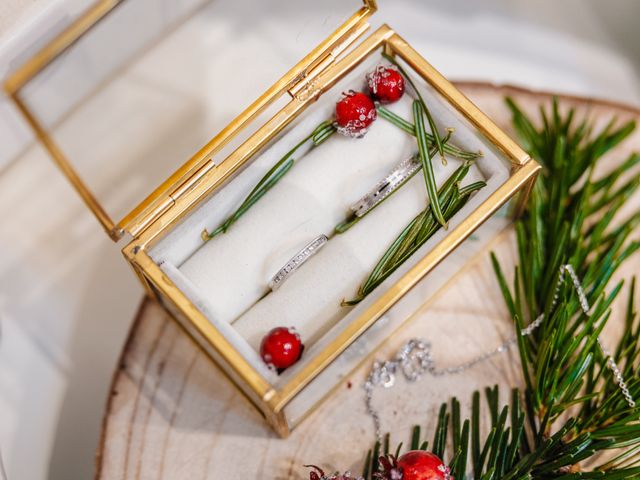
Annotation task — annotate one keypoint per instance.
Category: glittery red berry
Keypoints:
(354, 113)
(421, 465)
(386, 84)
(413, 465)
(281, 348)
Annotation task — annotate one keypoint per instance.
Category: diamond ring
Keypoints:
(297, 260)
(385, 187)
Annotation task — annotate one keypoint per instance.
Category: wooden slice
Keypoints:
(173, 415)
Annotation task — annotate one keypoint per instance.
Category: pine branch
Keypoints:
(572, 409)
(452, 197)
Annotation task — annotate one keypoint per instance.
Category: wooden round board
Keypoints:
(173, 415)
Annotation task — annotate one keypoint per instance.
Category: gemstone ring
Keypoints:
(385, 187)
(297, 261)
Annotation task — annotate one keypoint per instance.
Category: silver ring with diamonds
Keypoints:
(297, 261)
(385, 187)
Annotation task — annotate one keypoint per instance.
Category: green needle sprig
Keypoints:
(352, 219)
(426, 143)
(321, 133)
(409, 127)
(432, 123)
(419, 230)
(425, 158)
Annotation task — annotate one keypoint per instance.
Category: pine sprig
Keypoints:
(321, 133)
(410, 128)
(425, 159)
(453, 197)
(572, 409)
(352, 219)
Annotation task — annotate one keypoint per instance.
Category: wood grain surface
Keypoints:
(173, 415)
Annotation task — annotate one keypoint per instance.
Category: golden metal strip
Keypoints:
(133, 223)
(303, 84)
(58, 45)
(63, 164)
(166, 287)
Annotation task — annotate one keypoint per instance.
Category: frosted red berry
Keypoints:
(354, 113)
(421, 465)
(281, 348)
(386, 84)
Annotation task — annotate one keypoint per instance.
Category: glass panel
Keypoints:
(153, 81)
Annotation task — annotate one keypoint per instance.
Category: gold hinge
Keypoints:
(170, 200)
(304, 86)
(192, 180)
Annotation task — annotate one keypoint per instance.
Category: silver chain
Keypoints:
(414, 358)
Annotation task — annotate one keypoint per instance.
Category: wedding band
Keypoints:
(385, 187)
(297, 260)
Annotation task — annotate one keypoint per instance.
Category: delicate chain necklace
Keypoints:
(414, 359)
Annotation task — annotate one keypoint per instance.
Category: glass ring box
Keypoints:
(218, 289)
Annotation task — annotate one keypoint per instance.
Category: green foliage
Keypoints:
(409, 127)
(571, 410)
(452, 197)
(321, 133)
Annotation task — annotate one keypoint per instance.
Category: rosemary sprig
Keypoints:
(432, 123)
(418, 231)
(426, 144)
(427, 166)
(352, 219)
(321, 133)
(408, 127)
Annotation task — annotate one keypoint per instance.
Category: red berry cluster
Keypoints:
(356, 110)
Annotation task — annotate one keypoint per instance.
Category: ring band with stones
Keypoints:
(385, 187)
(297, 261)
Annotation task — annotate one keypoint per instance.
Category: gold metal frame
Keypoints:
(274, 400)
(198, 178)
(163, 197)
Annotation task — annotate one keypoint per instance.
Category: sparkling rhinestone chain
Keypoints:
(414, 359)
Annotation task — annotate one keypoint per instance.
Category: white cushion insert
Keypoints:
(234, 268)
(310, 299)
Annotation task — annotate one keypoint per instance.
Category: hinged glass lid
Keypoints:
(133, 88)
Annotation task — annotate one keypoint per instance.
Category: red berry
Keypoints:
(386, 84)
(354, 113)
(281, 347)
(421, 465)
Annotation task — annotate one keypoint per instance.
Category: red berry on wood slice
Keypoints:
(421, 465)
(354, 113)
(386, 84)
(281, 348)
(413, 465)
